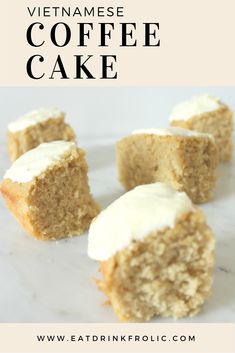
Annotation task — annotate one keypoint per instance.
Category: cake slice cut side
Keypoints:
(187, 164)
(57, 203)
(216, 118)
(168, 274)
(35, 128)
(156, 254)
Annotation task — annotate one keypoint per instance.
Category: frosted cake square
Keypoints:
(36, 127)
(156, 254)
(207, 114)
(47, 191)
(184, 159)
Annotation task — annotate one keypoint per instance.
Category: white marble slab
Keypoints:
(54, 281)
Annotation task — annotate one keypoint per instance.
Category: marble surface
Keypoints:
(54, 281)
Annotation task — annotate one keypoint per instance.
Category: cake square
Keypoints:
(184, 159)
(47, 191)
(207, 114)
(36, 127)
(156, 254)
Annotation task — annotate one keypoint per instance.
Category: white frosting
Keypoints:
(172, 131)
(33, 118)
(133, 216)
(196, 106)
(34, 162)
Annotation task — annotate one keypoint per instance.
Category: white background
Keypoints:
(54, 281)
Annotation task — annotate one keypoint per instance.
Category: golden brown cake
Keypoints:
(47, 191)
(43, 125)
(156, 254)
(184, 159)
(207, 114)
